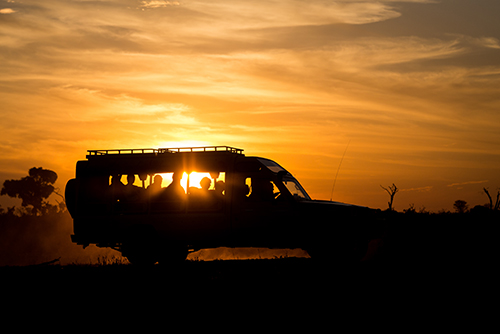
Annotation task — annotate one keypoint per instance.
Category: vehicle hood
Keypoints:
(332, 203)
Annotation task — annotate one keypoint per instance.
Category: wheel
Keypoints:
(341, 251)
(140, 258)
(173, 254)
(141, 246)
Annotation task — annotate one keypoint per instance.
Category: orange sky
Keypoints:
(413, 86)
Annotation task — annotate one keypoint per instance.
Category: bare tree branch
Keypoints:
(391, 190)
(489, 197)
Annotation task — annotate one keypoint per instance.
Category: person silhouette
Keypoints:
(116, 187)
(175, 189)
(203, 191)
(155, 187)
(262, 190)
(205, 184)
(220, 187)
(131, 191)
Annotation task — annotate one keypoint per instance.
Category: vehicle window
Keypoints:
(206, 191)
(167, 191)
(195, 179)
(139, 180)
(248, 189)
(260, 189)
(295, 189)
(273, 166)
(167, 178)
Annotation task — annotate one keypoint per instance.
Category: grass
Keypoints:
(113, 260)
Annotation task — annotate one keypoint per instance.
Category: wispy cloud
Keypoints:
(96, 105)
(419, 189)
(273, 13)
(158, 3)
(458, 184)
(487, 42)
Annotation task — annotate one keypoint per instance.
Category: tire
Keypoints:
(141, 246)
(340, 251)
(173, 255)
(138, 258)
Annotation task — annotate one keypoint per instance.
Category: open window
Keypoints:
(167, 191)
(261, 189)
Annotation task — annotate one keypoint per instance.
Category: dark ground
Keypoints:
(293, 274)
(288, 294)
(441, 261)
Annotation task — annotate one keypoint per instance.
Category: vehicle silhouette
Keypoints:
(204, 197)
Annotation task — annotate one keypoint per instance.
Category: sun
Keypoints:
(183, 143)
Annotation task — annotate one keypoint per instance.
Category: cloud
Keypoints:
(165, 115)
(419, 189)
(7, 11)
(466, 183)
(415, 1)
(487, 42)
(96, 105)
(273, 13)
(363, 54)
(158, 3)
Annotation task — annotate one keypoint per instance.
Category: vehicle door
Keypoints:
(261, 215)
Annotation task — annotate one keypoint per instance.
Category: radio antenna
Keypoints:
(338, 169)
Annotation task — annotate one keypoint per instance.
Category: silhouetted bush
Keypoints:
(440, 239)
(33, 190)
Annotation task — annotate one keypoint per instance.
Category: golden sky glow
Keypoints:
(412, 85)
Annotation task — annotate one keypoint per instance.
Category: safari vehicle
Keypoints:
(157, 205)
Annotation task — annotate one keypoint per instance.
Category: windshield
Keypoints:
(295, 188)
(289, 181)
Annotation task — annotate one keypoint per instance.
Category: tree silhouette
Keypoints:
(460, 206)
(391, 190)
(32, 189)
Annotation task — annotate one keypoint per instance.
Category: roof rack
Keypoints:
(122, 151)
(202, 149)
(165, 150)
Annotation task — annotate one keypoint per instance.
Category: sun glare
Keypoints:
(182, 144)
(187, 181)
(195, 179)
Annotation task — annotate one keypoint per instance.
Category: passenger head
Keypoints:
(158, 179)
(115, 179)
(177, 176)
(205, 183)
(220, 186)
(130, 179)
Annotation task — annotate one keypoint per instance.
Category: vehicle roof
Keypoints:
(141, 152)
(189, 159)
(124, 161)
